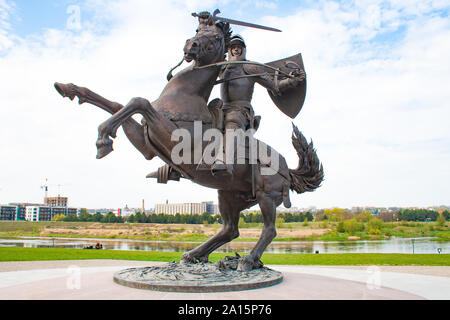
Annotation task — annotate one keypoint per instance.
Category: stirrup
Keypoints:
(164, 174)
(219, 167)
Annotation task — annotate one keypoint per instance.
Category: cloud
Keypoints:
(5, 37)
(377, 103)
(373, 110)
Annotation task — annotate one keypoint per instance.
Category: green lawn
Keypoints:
(44, 254)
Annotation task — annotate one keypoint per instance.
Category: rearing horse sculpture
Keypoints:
(184, 101)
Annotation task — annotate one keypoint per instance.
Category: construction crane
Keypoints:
(45, 188)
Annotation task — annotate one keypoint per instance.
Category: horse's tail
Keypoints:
(309, 174)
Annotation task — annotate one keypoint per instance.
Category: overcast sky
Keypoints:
(377, 107)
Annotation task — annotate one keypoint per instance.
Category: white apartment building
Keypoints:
(38, 213)
(186, 208)
(32, 213)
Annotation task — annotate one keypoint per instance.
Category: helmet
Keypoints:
(237, 39)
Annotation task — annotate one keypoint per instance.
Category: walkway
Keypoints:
(92, 280)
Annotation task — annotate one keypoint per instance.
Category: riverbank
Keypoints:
(311, 231)
(355, 259)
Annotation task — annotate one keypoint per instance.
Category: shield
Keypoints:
(291, 101)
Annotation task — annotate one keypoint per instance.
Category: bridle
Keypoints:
(218, 46)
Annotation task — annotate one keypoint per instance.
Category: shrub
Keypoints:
(279, 222)
(353, 225)
(305, 222)
(440, 221)
(375, 224)
(364, 217)
(59, 217)
(374, 231)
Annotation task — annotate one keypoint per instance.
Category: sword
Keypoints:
(216, 19)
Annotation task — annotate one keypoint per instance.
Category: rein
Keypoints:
(170, 74)
(241, 77)
(225, 63)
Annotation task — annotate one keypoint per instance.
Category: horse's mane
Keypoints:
(227, 32)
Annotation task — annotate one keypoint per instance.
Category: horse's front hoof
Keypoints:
(248, 264)
(245, 265)
(104, 147)
(187, 258)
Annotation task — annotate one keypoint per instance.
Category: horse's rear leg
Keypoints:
(87, 96)
(230, 206)
(109, 128)
(133, 130)
(269, 198)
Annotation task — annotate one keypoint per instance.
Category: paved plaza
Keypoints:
(93, 280)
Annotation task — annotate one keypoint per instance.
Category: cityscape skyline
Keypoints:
(158, 207)
(376, 108)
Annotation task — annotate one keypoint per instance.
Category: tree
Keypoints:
(386, 216)
(71, 218)
(440, 221)
(305, 222)
(98, 217)
(85, 216)
(375, 225)
(59, 217)
(364, 216)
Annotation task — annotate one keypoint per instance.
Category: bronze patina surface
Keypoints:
(185, 102)
(199, 277)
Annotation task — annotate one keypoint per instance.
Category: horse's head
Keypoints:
(210, 43)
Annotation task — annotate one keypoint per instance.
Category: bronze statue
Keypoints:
(184, 103)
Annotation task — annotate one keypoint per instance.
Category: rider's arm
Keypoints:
(267, 80)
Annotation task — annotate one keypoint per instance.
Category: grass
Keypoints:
(50, 254)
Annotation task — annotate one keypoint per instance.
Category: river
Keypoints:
(393, 245)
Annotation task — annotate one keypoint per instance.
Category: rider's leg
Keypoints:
(234, 120)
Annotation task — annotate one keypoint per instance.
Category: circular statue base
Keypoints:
(198, 277)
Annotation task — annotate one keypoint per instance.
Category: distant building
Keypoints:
(186, 208)
(73, 211)
(56, 201)
(126, 212)
(38, 213)
(8, 213)
(101, 211)
(58, 211)
(34, 212)
(21, 209)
